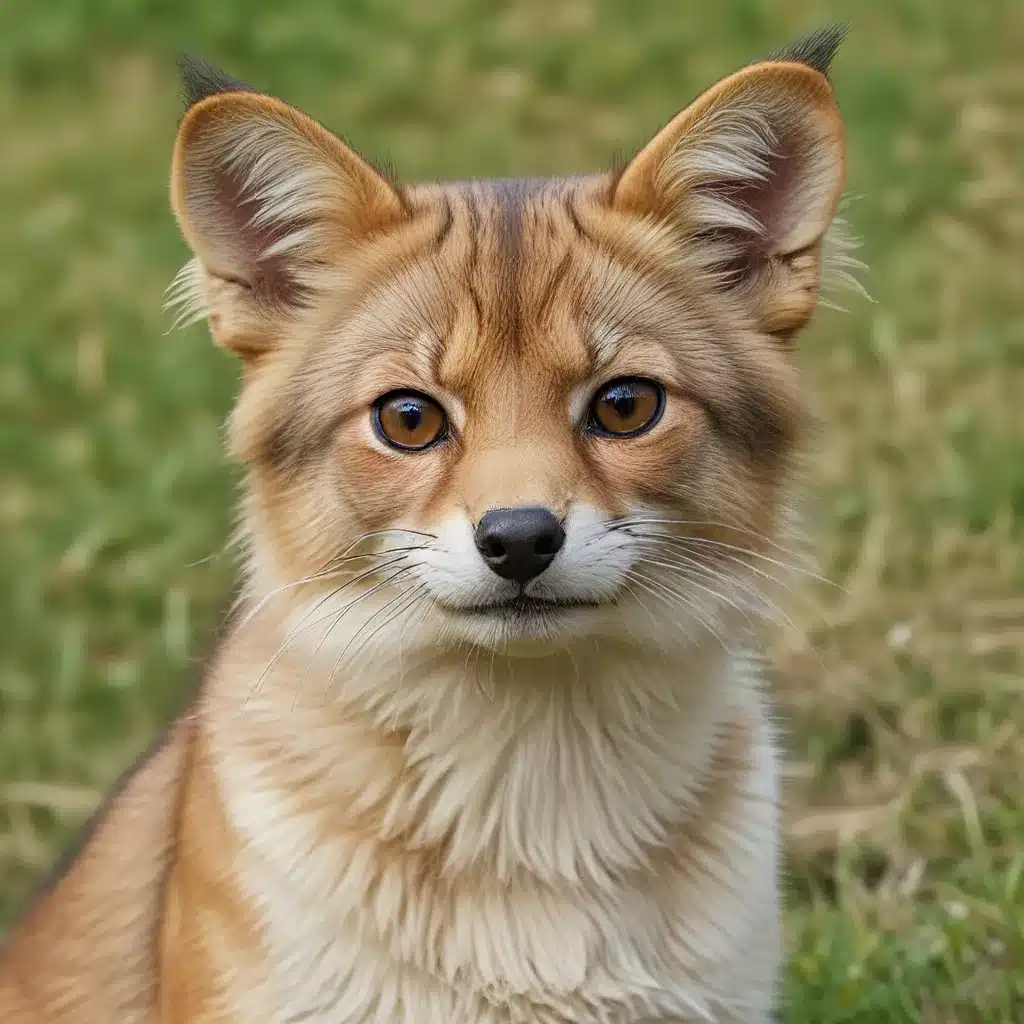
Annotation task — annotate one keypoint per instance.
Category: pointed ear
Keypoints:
(266, 198)
(749, 177)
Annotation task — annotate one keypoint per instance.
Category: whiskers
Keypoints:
(676, 563)
(391, 566)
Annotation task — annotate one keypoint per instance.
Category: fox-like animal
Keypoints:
(485, 738)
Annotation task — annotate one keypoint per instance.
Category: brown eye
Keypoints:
(626, 407)
(409, 420)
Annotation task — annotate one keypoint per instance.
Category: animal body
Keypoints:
(485, 739)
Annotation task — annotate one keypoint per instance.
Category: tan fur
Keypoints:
(386, 804)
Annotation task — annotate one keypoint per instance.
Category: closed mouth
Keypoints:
(527, 606)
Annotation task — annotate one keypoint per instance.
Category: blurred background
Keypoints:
(900, 680)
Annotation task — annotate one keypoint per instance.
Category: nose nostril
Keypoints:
(491, 547)
(547, 544)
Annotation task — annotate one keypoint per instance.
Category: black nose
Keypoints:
(519, 543)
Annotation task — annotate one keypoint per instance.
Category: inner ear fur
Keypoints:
(749, 177)
(266, 198)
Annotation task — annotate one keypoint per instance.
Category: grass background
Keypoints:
(902, 685)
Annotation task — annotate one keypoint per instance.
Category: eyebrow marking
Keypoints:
(447, 223)
(604, 340)
(558, 275)
(569, 204)
(473, 257)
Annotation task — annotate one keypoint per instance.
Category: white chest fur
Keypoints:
(554, 857)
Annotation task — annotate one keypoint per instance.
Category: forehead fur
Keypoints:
(509, 295)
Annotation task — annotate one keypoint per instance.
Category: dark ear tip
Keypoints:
(200, 79)
(816, 50)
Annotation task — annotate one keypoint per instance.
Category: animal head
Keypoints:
(532, 410)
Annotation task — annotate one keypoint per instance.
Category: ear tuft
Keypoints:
(841, 270)
(185, 296)
(200, 80)
(816, 51)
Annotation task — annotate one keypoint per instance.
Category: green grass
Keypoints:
(903, 686)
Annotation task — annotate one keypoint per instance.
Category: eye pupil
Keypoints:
(409, 421)
(624, 403)
(626, 407)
